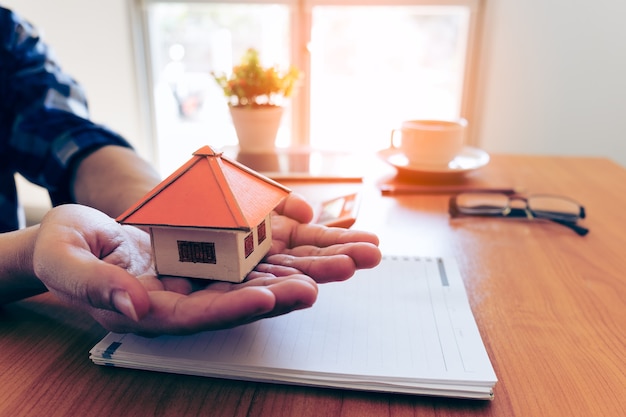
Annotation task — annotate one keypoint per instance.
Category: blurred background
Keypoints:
(531, 77)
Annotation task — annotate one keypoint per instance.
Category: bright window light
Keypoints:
(366, 68)
(374, 66)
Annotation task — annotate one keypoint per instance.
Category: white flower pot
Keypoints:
(256, 127)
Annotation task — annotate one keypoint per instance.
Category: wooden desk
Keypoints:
(550, 306)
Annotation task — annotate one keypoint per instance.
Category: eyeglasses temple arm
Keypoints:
(582, 231)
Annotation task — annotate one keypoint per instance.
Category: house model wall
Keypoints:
(209, 219)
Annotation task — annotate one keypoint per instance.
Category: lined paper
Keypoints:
(404, 326)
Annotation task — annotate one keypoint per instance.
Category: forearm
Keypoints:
(113, 178)
(17, 277)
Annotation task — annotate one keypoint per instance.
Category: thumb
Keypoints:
(116, 290)
(94, 284)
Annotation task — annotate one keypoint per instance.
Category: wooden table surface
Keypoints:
(550, 306)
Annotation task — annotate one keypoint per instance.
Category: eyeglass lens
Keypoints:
(549, 206)
(542, 205)
(482, 203)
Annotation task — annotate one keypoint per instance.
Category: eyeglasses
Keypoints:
(561, 210)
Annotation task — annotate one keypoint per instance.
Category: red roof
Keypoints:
(209, 191)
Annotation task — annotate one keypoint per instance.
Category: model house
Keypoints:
(209, 219)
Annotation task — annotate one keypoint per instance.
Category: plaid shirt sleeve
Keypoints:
(44, 119)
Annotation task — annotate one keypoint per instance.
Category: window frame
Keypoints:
(188, 251)
(261, 231)
(301, 30)
(248, 245)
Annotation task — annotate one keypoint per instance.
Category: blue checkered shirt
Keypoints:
(44, 120)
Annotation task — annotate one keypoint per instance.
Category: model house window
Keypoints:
(368, 65)
(261, 232)
(248, 244)
(196, 252)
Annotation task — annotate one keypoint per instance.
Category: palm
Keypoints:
(105, 269)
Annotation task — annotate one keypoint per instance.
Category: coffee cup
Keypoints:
(430, 142)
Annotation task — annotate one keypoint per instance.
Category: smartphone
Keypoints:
(339, 211)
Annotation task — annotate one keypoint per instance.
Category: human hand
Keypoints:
(86, 258)
(322, 253)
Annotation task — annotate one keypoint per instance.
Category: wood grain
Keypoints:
(550, 306)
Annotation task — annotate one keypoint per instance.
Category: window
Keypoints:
(248, 244)
(368, 65)
(196, 252)
(261, 232)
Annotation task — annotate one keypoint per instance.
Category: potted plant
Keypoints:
(255, 97)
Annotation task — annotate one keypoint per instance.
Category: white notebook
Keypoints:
(405, 326)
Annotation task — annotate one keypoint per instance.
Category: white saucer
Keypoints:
(469, 159)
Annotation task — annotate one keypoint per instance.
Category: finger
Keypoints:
(115, 290)
(174, 313)
(177, 284)
(213, 309)
(260, 280)
(295, 207)
(151, 282)
(263, 269)
(89, 282)
(363, 255)
(322, 236)
(292, 293)
(234, 308)
(320, 268)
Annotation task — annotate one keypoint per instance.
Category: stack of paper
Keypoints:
(405, 326)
